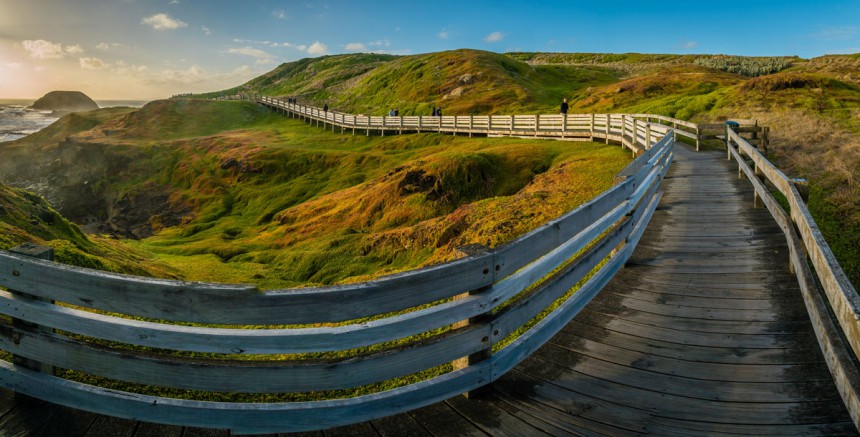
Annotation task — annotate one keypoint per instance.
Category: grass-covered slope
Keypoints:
(231, 192)
(461, 82)
(27, 218)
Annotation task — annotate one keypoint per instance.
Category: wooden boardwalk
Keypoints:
(704, 332)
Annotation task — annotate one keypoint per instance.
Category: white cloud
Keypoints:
(689, 45)
(280, 14)
(443, 34)
(14, 65)
(104, 46)
(250, 51)
(92, 63)
(317, 48)
(42, 49)
(356, 47)
(206, 30)
(494, 37)
(191, 75)
(123, 69)
(174, 2)
(163, 22)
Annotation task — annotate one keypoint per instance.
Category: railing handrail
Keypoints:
(806, 245)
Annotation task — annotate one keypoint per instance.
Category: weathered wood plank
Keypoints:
(578, 331)
(27, 417)
(242, 376)
(399, 425)
(71, 422)
(244, 341)
(670, 405)
(147, 429)
(491, 419)
(107, 426)
(243, 418)
(441, 420)
(230, 304)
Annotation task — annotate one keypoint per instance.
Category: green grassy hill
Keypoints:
(227, 191)
(231, 192)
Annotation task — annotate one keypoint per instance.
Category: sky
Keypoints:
(148, 49)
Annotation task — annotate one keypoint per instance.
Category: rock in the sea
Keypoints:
(65, 101)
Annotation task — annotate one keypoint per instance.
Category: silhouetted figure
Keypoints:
(434, 111)
(564, 107)
(439, 111)
(391, 113)
(325, 107)
(396, 112)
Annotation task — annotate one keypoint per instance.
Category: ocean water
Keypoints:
(16, 121)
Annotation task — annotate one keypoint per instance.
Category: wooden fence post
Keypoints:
(623, 128)
(635, 136)
(698, 137)
(591, 128)
(39, 252)
(564, 124)
(647, 135)
(487, 352)
(608, 122)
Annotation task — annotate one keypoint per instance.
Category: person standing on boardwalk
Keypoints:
(564, 107)
(325, 107)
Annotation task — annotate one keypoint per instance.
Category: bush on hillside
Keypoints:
(751, 67)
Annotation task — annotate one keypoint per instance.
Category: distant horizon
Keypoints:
(112, 50)
(131, 99)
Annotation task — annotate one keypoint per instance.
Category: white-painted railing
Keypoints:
(629, 130)
(838, 334)
(460, 309)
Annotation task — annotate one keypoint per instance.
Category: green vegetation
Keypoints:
(751, 67)
(254, 197)
(27, 218)
(462, 82)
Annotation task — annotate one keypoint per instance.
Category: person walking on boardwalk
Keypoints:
(439, 111)
(325, 107)
(564, 107)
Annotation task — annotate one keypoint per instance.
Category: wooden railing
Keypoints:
(125, 328)
(630, 130)
(837, 328)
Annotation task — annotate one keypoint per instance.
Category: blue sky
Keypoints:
(126, 49)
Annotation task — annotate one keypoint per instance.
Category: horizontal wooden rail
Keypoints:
(807, 245)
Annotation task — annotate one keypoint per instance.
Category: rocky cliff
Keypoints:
(65, 102)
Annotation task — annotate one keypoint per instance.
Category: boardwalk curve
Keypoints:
(702, 332)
